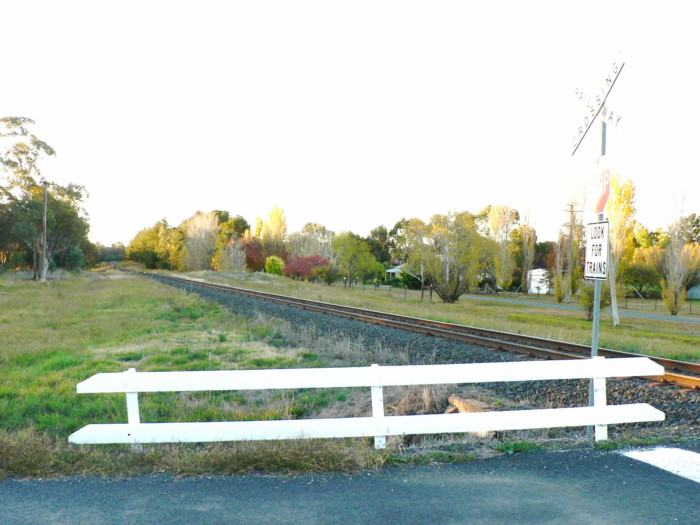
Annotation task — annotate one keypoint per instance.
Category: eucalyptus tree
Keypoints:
(454, 254)
(502, 222)
(43, 220)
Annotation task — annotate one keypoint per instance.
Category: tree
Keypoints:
(254, 259)
(528, 238)
(327, 274)
(143, 248)
(454, 254)
(561, 280)
(681, 261)
(413, 245)
(228, 253)
(352, 257)
(502, 220)
(313, 239)
(620, 211)
(691, 228)
(20, 153)
(397, 241)
(274, 234)
(641, 277)
(200, 241)
(587, 297)
(230, 258)
(379, 244)
(303, 267)
(157, 247)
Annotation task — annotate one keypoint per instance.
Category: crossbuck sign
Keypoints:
(597, 242)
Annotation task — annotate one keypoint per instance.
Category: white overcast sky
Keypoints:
(352, 114)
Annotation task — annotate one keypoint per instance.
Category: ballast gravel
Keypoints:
(682, 407)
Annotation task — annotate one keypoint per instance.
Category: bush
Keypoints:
(587, 297)
(302, 267)
(274, 265)
(328, 274)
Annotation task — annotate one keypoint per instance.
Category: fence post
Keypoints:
(378, 408)
(600, 400)
(132, 411)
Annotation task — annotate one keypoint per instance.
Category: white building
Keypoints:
(538, 280)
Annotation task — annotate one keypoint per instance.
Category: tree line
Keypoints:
(452, 253)
(43, 225)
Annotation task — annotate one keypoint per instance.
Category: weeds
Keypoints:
(515, 447)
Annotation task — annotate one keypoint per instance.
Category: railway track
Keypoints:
(680, 373)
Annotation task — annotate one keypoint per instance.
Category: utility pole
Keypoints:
(570, 260)
(43, 261)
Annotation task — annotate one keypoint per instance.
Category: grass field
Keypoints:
(59, 333)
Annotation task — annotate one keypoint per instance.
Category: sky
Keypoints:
(354, 114)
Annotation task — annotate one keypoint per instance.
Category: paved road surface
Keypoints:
(582, 487)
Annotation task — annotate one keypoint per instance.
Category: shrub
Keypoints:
(302, 267)
(328, 274)
(274, 265)
(253, 253)
(587, 297)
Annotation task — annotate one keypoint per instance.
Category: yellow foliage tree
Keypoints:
(621, 211)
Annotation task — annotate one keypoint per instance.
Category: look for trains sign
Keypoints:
(596, 266)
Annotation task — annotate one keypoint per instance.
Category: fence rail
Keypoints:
(375, 377)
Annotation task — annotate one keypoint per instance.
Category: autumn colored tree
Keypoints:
(620, 210)
(254, 258)
(156, 247)
(302, 267)
(274, 234)
(681, 261)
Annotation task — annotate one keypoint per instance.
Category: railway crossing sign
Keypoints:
(597, 242)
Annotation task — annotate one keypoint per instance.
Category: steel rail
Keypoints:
(493, 339)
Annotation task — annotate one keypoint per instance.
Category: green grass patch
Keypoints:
(516, 447)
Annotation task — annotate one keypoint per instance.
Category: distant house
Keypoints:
(539, 281)
(694, 292)
(392, 273)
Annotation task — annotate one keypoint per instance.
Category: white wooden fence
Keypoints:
(374, 377)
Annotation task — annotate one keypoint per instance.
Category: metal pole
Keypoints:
(44, 264)
(596, 309)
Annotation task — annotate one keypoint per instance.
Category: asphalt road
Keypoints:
(582, 487)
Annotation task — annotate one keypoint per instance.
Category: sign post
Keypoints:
(598, 246)
(597, 237)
